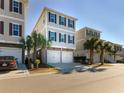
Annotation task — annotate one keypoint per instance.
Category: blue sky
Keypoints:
(104, 15)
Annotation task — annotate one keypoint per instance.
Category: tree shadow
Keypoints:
(4, 71)
(96, 69)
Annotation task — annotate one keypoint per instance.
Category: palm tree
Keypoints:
(43, 43)
(39, 41)
(114, 52)
(34, 36)
(29, 45)
(102, 48)
(91, 45)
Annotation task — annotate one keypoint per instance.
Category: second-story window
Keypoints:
(62, 37)
(52, 17)
(71, 39)
(16, 6)
(71, 23)
(62, 20)
(52, 36)
(15, 29)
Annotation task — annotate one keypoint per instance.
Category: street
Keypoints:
(106, 80)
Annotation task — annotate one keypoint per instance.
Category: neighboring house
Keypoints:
(12, 22)
(81, 37)
(60, 29)
(119, 53)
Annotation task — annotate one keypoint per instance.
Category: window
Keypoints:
(70, 39)
(16, 6)
(15, 29)
(52, 36)
(62, 20)
(52, 17)
(71, 23)
(62, 37)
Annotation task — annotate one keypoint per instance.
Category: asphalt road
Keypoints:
(106, 80)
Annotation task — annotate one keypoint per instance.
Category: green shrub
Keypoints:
(37, 62)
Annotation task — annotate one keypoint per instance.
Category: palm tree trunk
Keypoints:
(102, 57)
(28, 54)
(91, 57)
(114, 57)
(34, 55)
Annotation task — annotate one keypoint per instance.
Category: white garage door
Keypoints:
(67, 57)
(16, 52)
(53, 56)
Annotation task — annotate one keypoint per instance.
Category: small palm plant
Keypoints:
(37, 62)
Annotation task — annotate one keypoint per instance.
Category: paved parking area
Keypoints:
(105, 80)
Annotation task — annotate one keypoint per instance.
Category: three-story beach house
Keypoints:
(12, 27)
(60, 29)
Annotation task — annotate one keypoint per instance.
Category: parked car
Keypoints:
(8, 62)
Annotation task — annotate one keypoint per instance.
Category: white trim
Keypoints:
(63, 46)
(12, 18)
(61, 29)
(3, 41)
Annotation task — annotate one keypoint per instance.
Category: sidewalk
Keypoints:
(21, 72)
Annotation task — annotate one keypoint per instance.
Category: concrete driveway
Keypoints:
(110, 80)
(68, 67)
(21, 72)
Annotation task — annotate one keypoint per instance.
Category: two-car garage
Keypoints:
(58, 56)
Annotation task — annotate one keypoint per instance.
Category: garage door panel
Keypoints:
(53, 56)
(16, 52)
(67, 57)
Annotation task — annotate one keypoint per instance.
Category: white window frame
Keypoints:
(53, 17)
(13, 29)
(16, 7)
(52, 37)
(62, 38)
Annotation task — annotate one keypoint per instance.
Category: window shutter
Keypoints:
(10, 29)
(20, 7)
(73, 40)
(73, 24)
(65, 21)
(2, 27)
(59, 37)
(68, 22)
(68, 38)
(2, 4)
(59, 19)
(20, 30)
(55, 18)
(55, 36)
(49, 35)
(10, 5)
(49, 16)
(65, 38)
